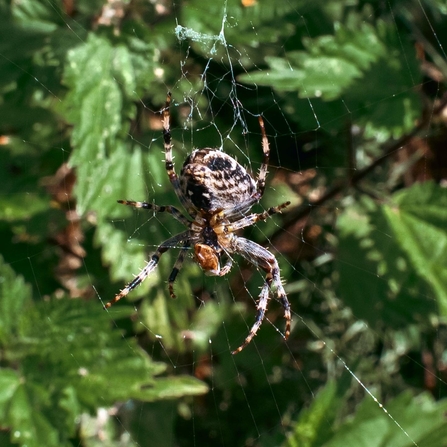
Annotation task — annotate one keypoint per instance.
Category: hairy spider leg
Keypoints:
(158, 209)
(150, 266)
(227, 267)
(167, 142)
(177, 267)
(260, 183)
(265, 260)
(253, 218)
(261, 309)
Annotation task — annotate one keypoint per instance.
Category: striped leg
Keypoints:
(265, 162)
(167, 142)
(253, 218)
(265, 260)
(158, 209)
(261, 310)
(150, 266)
(177, 267)
(227, 267)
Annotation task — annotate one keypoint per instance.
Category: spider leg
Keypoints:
(167, 142)
(265, 260)
(158, 209)
(177, 267)
(253, 218)
(260, 183)
(227, 267)
(261, 310)
(150, 266)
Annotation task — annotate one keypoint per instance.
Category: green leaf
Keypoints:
(9, 382)
(376, 280)
(417, 218)
(82, 363)
(171, 388)
(38, 15)
(313, 426)
(15, 298)
(32, 428)
(408, 420)
(309, 427)
(327, 68)
(101, 87)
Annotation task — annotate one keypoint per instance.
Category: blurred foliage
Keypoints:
(338, 83)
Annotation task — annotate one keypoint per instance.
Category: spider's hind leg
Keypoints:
(262, 308)
(177, 267)
(266, 261)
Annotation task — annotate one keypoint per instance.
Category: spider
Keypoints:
(217, 192)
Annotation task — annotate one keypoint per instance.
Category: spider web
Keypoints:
(361, 248)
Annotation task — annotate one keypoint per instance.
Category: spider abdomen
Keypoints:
(214, 181)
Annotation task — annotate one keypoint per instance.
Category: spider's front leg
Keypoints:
(150, 266)
(169, 160)
(265, 260)
(173, 211)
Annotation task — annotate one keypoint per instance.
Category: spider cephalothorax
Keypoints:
(217, 192)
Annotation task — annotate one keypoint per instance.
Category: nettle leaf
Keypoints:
(367, 73)
(408, 420)
(18, 46)
(103, 82)
(388, 271)
(422, 422)
(66, 359)
(94, 102)
(126, 257)
(386, 100)
(327, 67)
(101, 183)
(313, 426)
(417, 217)
(77, 348)
(15, 297)
(38, 15)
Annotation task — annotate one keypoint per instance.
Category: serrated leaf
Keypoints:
(79, 351)
(15, 297)
(408, 420)
(313, 426)
(38, 15)
(417, 217)
(329, 66)
(98, 104)
(125, 257)
(9, 382)
(83, 363)
(420, 420)
(100, 184)
(31, 427)
(377, 279)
